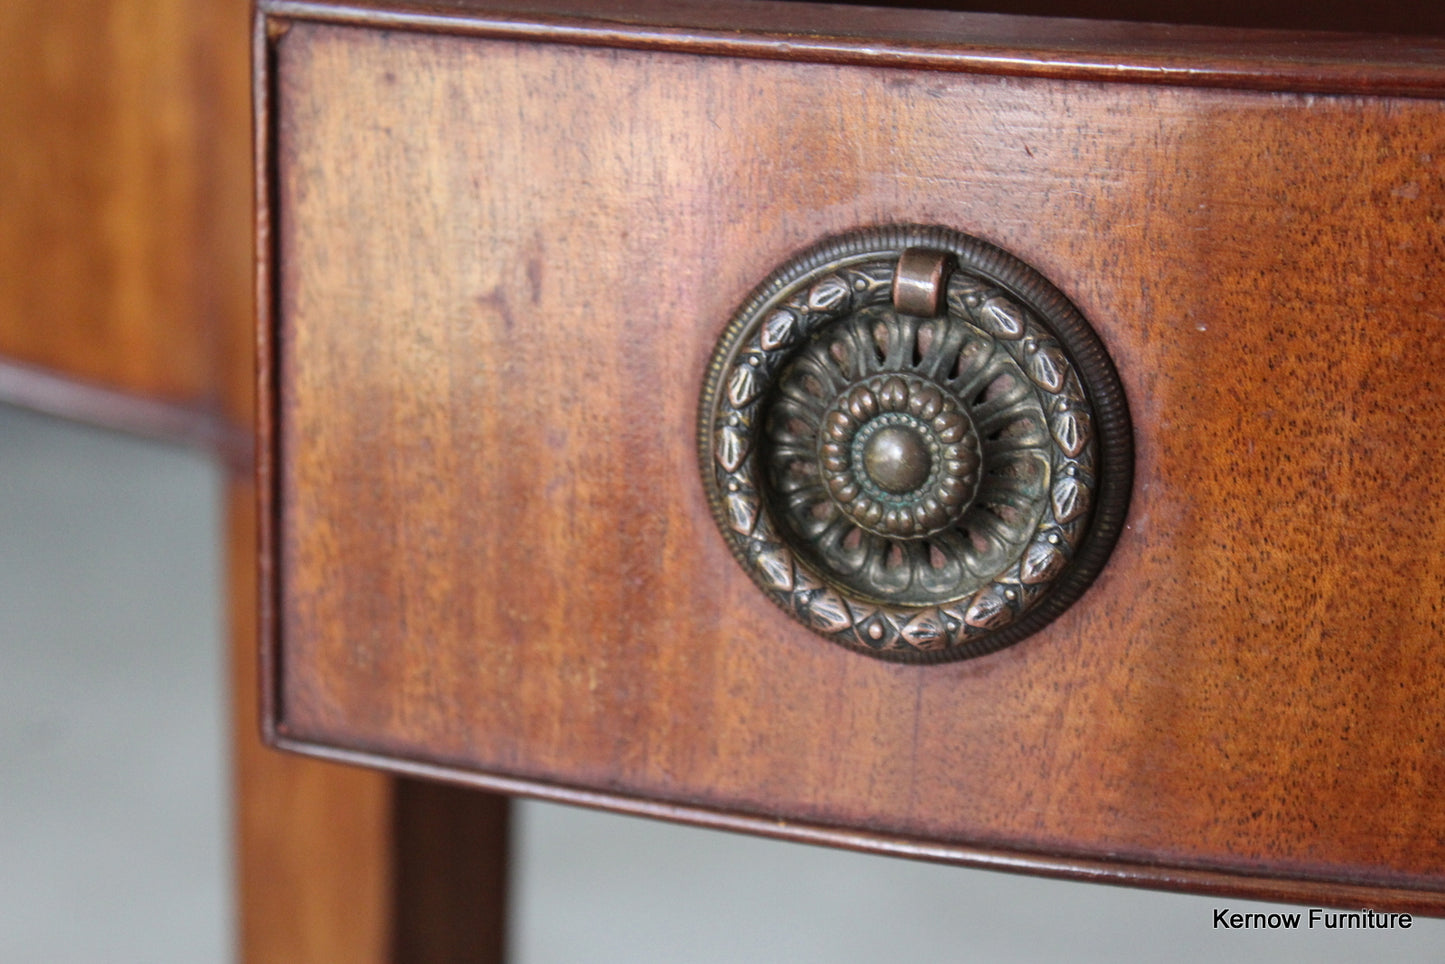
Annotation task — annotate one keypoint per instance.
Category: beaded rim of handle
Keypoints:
(923, 462)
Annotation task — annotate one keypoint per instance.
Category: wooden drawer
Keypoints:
(498, 249)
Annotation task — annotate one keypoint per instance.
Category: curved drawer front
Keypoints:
(499, 252)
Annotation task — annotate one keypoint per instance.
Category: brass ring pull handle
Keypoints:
(915, 444)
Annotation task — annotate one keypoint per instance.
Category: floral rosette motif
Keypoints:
(915, 488)
(898, 456)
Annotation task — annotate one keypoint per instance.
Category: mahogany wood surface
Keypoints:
(120, 120)
(501, 268)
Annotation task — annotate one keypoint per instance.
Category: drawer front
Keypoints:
(498, 266)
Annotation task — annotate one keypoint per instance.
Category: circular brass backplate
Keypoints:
(914, 444)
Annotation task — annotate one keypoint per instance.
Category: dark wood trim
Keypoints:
(1381, 896)
(62, 395)
(263, 99)
(449, 874)
(1004, 45)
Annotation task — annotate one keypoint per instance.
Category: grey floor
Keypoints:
(113, 798)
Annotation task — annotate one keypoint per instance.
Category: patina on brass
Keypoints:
(895, 453)
(918, 281)
(915, 445)
(897, 459)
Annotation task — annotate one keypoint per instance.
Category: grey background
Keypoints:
(113, 787)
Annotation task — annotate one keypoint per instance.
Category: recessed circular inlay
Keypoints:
(914, 444)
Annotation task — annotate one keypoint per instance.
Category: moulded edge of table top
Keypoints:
(1194, 880)
(1002, 44)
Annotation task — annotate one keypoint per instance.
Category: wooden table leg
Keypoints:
(450, 874)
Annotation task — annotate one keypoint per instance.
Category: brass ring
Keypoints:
(914, 444)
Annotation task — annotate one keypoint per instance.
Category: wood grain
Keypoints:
(123, 180)
(503, 266)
